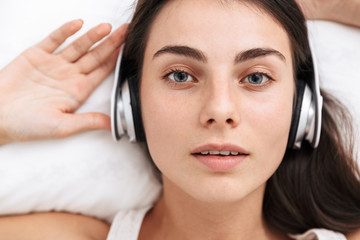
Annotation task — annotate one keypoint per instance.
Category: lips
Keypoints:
(220, 157)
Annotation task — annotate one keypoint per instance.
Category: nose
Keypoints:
(220, 105)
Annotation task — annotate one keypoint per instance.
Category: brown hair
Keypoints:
(312, 188)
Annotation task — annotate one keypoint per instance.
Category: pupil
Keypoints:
(180, 77)
(256, 78)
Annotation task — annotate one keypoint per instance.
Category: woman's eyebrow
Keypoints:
(257, 52)
(183, 51)
(200, 56)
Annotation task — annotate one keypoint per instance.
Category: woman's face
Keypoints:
(216, 91)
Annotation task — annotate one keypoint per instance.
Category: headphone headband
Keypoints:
(306, 121)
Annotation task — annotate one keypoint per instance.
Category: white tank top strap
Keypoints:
(319, 234)
(127, 224)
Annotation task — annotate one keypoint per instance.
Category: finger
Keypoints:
(58, 37)
(99, 74)
(308, 7)
(81, 46)
(101, 53)
(82, 122)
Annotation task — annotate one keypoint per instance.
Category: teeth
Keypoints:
(214, 152)
(226, 153)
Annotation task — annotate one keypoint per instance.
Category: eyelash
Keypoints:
(262, 85)
(176, 70)
(258, 86)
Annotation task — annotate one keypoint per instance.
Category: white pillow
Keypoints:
(337, 48)
(87, 173)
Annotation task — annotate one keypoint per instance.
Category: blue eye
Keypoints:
(180, 77)
(256, 78)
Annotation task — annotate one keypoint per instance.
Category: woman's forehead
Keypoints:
(228, 27)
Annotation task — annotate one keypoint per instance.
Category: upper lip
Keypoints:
(219, 147)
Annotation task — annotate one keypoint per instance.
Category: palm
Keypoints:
(40, 90)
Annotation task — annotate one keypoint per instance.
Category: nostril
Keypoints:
(210, 121)
(229, 121)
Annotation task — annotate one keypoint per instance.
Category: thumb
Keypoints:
(82, 122)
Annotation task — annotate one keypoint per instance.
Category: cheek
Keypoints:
(275, 118)
(270, 124)
(163, 116)
(165, 121)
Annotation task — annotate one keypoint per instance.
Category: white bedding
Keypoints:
(338, 55)
(89, 173)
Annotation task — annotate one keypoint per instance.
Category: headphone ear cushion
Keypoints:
(136, 109)
(300, 89)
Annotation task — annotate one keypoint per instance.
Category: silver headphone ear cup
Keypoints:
(315, 130)
(117, 129)
(126, 112)
(119, 116)
(306, 118)
(121, 110)
(122, 118)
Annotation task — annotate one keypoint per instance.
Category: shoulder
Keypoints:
(52, 225)
(354, 235)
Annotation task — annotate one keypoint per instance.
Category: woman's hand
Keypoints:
(343, 11)
(40, 89)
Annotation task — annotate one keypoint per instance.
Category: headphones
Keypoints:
(305, 124)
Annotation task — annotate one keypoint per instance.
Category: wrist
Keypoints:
(4, 138)
(346, 12)
(354, 14)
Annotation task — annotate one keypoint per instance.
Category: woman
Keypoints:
(202, 97)
(216, 93)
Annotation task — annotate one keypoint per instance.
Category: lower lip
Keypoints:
(221, 164)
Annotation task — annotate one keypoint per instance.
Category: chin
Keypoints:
(225, 191)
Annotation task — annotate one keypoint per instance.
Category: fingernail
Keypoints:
(104, 27)
(79, 20)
